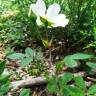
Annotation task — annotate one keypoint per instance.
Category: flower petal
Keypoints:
(53, 10)
(34, 9)
(41, 7)
(38, 21)
(60, 20)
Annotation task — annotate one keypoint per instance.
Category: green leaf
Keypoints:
(45, 43)
(26, 61)
(92, 90)
(52, 85)
(75, 91)
(81, 56)
(80, 82)
(16, 56)
(67, 77)
(59, 66)
(25, 92)
(4, 89)
(39, 56)
(29, 52)
(2, 66)
(91, 65)
(69, 62)
(65, 91)
(4, 78)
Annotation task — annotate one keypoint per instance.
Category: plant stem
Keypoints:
(50, 57)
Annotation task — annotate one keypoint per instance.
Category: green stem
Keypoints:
(39, 33)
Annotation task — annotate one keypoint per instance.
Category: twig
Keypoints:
(28, 82)
(91, 79)
(50, 61)
(35, 81)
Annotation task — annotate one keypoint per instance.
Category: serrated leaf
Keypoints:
(2, 66)
(15, 56)
(29, 52)
(75, 91)
(4, 89)
(91, 65)
(26, 61)
(92, 90)
(67, 77)
(69, 62)
(80, 82)
(52, 85)
(65, 91)
(25, 92)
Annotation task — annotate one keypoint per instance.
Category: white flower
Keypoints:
(51, 15)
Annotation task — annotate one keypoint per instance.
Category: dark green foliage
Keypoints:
(80, 82)
(4, 89)
(65, 87)
(52, 85)
(74, 91)
(60, 85)
(27, 58)
(4, 79)
(92, 90)
(59, 66)
(29, 52)
(91, 65)
(67, 77)
(2, 66)
(15, 56)
(25, 92)
(71, 60)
